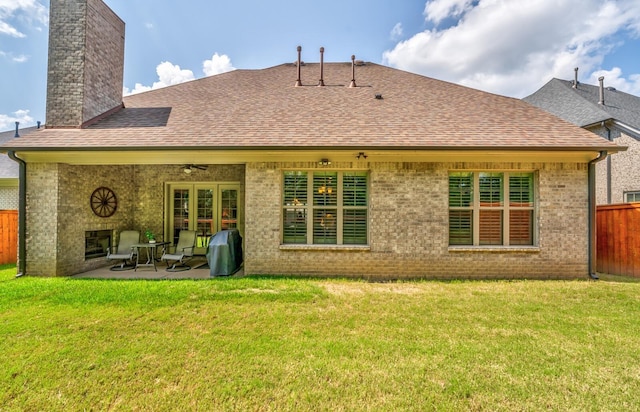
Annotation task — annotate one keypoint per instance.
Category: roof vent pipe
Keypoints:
(299, 81)
(321, 82)
(17, 134)
(353, 71)
(601, 80)
(38, 123)
(575, 78)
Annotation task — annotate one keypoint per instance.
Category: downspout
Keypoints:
(22, 215)
(592, 213)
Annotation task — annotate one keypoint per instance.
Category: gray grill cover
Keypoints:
(224, 252)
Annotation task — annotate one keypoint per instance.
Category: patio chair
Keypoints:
(182, 253)
(125, 250)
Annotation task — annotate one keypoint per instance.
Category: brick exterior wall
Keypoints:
(625, 173)
(86, 62)
(408, 220)
(58, 210)
(9, 198)
(409, 227)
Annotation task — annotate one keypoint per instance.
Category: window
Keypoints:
(325, 207)
(632, 197)
(479, 214)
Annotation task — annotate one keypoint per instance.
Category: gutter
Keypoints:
(22, 215)
(592, 213)
(630, 130)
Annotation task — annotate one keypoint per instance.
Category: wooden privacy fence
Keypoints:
(8, 236)
(618, 244)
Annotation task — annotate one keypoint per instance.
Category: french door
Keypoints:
(204, 207)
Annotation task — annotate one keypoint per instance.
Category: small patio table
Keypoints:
(151, 253)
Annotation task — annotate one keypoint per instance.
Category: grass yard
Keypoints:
(261, 344)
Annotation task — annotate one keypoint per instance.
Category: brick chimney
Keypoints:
(86, 62)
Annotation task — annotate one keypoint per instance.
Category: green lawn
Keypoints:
(260, 344)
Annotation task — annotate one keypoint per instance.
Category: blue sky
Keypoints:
(508, 47)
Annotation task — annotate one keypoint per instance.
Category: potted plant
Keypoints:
(149, 234)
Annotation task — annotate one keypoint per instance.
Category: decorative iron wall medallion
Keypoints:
(104, 202)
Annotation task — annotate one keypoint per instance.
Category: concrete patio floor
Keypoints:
(199, 270)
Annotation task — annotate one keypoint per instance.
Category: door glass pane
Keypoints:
(205, 226)
(229, 216)
(180, 213)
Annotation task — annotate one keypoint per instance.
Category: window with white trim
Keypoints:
(632, 197)
(479, 214)
(325, 207)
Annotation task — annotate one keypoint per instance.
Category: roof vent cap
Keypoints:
(611, 89)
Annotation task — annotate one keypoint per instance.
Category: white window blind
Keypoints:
(325, 207)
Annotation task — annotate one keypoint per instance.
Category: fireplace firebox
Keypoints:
(97, 243)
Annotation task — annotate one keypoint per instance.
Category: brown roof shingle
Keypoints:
(263, 109)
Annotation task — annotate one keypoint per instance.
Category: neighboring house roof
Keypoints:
(262, 109)
(580, 105)
(9, 168)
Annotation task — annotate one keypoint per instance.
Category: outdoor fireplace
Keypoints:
(96, 243)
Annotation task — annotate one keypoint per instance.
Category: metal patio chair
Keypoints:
(125, 250)
(182, 253)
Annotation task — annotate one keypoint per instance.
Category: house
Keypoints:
(609, 113)
(327, 169)
(9, 171)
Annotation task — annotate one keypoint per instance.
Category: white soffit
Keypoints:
(253, 156)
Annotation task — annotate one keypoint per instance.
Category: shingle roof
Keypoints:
(580, 105)
(263, 109)
(8, 167)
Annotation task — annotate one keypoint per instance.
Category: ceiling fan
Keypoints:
(189, 168)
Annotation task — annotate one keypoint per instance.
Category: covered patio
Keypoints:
(199, 270)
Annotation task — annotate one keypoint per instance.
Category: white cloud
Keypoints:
(438, 10)
(170, 74)
(30, 11)
(6, 28)
(513, 47)
(8, 122)
(217, 64)
(16, 59)
(138, 88)
(614, 78)
(397, 31)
